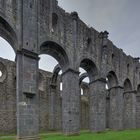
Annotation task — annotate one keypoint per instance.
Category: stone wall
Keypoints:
(7, 97)
(42, 27)
(8, 101)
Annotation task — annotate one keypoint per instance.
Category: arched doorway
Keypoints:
(53, 57)
(55, 99)
(49, 94)
(97, 96)
(70, 98)
(84, 94)
(129, 106)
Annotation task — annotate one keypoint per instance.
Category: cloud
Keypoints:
(120, 17)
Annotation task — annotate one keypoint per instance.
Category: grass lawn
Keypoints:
(85, 135)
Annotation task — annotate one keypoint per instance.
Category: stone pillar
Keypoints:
(138, 111)
(97, 105)
(107, 110)
(27, 96)
(52, 106)
(130, 110)
(116, 108)
(70, 102)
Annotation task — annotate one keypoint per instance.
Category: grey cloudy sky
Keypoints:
(121, 18)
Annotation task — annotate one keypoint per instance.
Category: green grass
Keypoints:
(85, 135)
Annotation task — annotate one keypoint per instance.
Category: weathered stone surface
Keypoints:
(130, 110)
(97, 106)
(116, 108)
(50, 111)
(37, 27)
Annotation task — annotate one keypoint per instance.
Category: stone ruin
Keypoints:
(31, 99)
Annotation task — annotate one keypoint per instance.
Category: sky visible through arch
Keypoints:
(119, 17)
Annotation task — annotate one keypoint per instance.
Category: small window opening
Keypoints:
(82, 92)
(61, 86)
(128, 68)
(54, 21)
(88, 42)
(1, 73)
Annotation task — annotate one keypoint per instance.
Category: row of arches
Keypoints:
(71, 90)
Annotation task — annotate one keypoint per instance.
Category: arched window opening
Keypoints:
(61, 86)
(6, 50)
(47, 62)
(1, 73)
(56, 51)
(111, 80)
(127, 85)
(128, 69)
(106, 86)
(54, 21)
(112, 58)
(82, 92)
(89, 42)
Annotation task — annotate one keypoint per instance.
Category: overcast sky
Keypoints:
(121, 18)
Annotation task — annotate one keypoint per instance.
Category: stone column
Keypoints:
(116, 108)
(27, 96)
(107, 109)
(138, 111)
(97, 105)
(130, 110)
(52, 106)
(70, 102)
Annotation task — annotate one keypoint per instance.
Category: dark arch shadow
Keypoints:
(112, 79)
(127, 85)
(90, 67)
(7, 32)
(56, 51)
(138, 90)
